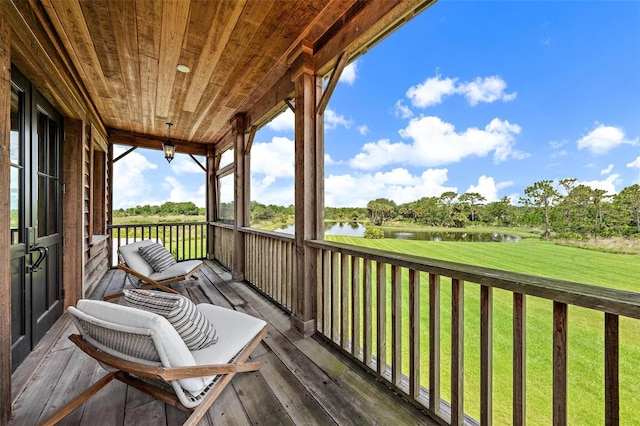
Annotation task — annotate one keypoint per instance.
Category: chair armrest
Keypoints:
(161, 373)
(176, 373)
(136, 274)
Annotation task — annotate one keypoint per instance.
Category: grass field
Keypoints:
(586, 341)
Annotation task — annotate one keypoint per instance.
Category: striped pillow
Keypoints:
(194, 328)
(157, 256)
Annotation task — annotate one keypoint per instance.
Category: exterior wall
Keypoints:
(26, 44)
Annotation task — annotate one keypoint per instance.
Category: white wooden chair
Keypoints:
(143, 350)
(142, 275)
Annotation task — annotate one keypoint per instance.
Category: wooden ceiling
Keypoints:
(125, 54)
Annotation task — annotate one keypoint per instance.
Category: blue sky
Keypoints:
(485, 97)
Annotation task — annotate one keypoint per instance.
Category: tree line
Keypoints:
(565, 209)
(169, 208)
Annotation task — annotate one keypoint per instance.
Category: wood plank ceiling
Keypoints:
(126, 53)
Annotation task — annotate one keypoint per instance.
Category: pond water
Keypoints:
(353, 229)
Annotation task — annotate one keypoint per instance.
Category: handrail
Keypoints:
(618, 302)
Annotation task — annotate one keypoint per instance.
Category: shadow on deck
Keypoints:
(302, 381)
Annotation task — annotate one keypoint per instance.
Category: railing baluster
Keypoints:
(414, 333)
(434, 344)
(457, 351)
(396, 325)
(611, 370)
(486, 354)
(519, 359)
(559, 363)
(381, 317)
(328, 286)
(335, 305)
(368, 311)
(344, 301)
(320, 302)
(355, 306)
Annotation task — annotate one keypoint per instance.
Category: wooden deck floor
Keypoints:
(302, 381)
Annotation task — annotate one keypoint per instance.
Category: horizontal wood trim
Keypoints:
(271, 234)
(120, 137)
(613, 301)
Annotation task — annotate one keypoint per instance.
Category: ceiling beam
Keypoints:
(120, 137)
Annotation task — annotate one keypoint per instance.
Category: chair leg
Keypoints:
(66, 409)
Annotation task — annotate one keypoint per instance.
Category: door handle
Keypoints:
(44, 251)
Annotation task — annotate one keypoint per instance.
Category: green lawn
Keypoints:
(586, 342)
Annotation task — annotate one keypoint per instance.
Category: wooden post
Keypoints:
(211, 200)
(241, 186)
(73, 199)
(611, 370)
(307, 198)
(560, 338)
(5, 235)
(519, 359)
(109, 182)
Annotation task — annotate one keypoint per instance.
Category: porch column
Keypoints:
(5, 206)
(241, 187)
(307, 198)
(211, 200)
(73, 198)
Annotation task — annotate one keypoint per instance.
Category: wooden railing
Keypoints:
(184, 240)
(270, 264)
(415, 340)
(223, 243)
(390, 338)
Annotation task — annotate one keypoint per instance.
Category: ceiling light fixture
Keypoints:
(168, 147)
(183, 68)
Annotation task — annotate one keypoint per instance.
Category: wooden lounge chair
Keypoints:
(143, 350)
(142, 274)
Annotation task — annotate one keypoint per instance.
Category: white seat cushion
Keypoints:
(131, 255)
(234, 329)
(172, 351)
(177, 270)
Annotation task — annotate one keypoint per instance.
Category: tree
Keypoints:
(569, 205)
(499, 212)
(474, 199)
(380, 210)
(446, 200)
(629, 201)
(541, 194)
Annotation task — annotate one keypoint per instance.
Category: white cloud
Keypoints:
(488, 90)
(399, 185)
(328, 161)
(434, 142)
(180, 193)
(635, 163)
(402, 111)
(184, 164)
(609, 184)
(283, 122)
(333, 120)
(268, 190)
(129, 184)
(607, 170)
(363, 130)
(604, 138)
(557, 144)
(349, 73)
(431, 91)
(275, 158)
(488, 188)
(434, 89)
